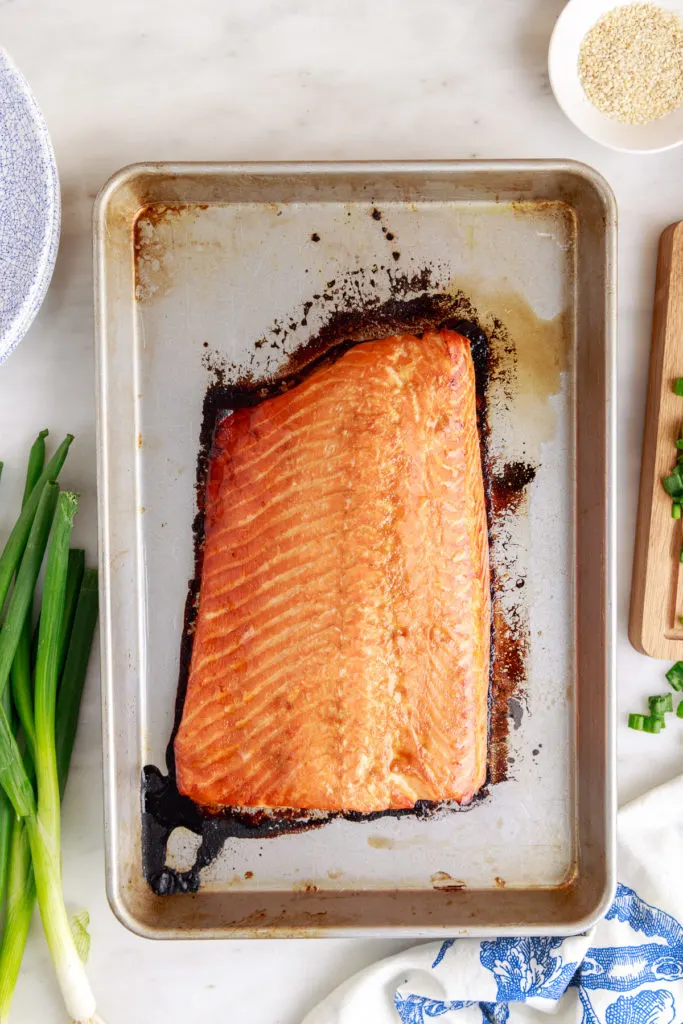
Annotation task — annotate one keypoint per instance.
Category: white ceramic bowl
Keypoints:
(563, 57)
(30, 208)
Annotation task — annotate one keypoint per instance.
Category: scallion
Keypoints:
(678, 386)
(7, 818)
(42, 819)
(21, 891)
(679, 709)
(676, 510)
(14, 548)
(673, 484)
(661, 703)
(651, 724)
(636, 722)
(43, 827)
(75, 668)
(675, 676)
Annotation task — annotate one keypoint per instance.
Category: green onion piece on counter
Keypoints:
(673, 484)
(657, 717)
(678, 386)
(679, 709)
(652, 725)
(637, 722)
(661, 703)
(675, 676)
(679, 442)
(676, 510)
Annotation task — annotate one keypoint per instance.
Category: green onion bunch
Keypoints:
(44, 652)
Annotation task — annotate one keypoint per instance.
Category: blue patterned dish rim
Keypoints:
(30, 207)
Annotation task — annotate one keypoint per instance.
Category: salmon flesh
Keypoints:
(341, 653)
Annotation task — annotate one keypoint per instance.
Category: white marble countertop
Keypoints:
(284, 80)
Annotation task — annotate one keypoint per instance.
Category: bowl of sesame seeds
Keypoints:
(617, 72)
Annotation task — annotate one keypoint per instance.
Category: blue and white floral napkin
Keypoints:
(627, 970)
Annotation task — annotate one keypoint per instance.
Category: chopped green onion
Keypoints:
(661, 703)
(679, 709)
(637, 722)
(678, 386)
(679, 442)
(675, 676)
(653, 725)
(673, 484)
(676, 510)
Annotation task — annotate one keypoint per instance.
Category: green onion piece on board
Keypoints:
(673, 484)
(652, 725)
(679, 709)
(675, 676)
(637, 722)
(661, 703)
(678, 386)
(679, 442)
(676, 510)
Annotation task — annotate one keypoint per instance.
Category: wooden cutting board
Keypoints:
(657, 585)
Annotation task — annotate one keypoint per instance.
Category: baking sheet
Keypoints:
(206, 268)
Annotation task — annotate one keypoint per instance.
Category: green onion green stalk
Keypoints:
(38, 718)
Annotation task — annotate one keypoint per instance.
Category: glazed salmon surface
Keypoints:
(341, 652)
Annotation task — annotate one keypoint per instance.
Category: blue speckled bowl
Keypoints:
(30, 207)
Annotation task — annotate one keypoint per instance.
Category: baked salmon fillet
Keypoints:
(341, 653)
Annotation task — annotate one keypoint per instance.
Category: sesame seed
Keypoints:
(631, 63)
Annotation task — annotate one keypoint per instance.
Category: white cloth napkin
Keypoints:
(627, 970)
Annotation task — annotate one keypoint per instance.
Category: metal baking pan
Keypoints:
(223, 269)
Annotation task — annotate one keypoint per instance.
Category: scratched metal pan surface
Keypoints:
(199, 266)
